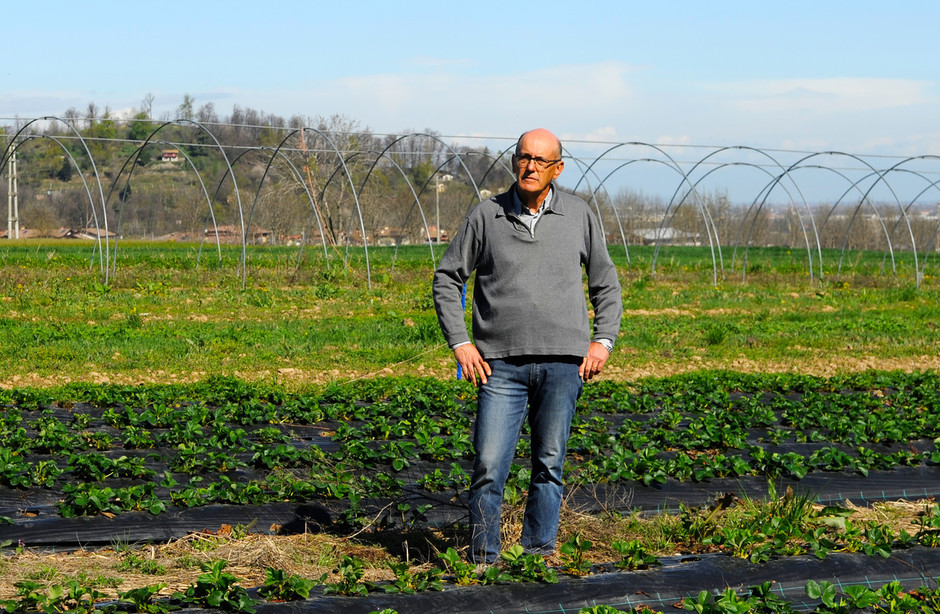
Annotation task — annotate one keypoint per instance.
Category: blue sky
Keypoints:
(857, 76)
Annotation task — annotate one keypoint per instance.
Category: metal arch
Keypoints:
(496, 160)
(887, 235)
(769, 188)
(798, 164)
(408, 215)
(785, 173)
(320, 199)
(597, 208)
(602, 184)
(473, 182)
(91, 202)
(766, 191)
(381, 154)
(343, 165)
(907, 208)
(698, 200)
(424, 219)
(230, 171)
(277, 152)
(904, 210)
(313, 203)
(673, 168)
(365, 179)
(94, 167)
(205, 192)
(862, 200)
(238, 198)
(933, 235)
(352, 188)
(136, 155)
(864, 197)
(447, 147)
(706, 220)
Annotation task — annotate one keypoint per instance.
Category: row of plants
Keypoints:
(784, 525)
(108, 449)
(215, 588)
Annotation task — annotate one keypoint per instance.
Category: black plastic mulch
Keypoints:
(661, 588)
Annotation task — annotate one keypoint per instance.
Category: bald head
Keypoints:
(543, 137)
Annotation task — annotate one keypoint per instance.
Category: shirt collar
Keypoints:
(519, 209)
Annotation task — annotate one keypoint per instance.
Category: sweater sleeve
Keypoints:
(603, 285)
(452, 273)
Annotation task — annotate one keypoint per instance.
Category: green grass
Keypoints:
(169, 311)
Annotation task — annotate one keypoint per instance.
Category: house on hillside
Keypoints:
(84, 233)
(24, 233)
(169, 155)
(432, 233)
(665, 236)
(390, 236)
(233, 234)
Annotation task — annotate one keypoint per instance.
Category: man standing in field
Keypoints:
(532, 347)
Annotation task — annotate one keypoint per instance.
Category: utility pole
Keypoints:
(437, 207)
(13, 203)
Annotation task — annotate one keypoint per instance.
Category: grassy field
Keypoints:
(169, 313)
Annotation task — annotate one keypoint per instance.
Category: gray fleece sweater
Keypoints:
(528, 296)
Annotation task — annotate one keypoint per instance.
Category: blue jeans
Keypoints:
(546, 390)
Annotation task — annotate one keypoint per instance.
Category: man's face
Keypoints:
(533, 174)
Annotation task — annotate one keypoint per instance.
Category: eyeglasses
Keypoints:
(540, 163)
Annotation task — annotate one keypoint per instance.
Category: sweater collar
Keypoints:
(510, 203)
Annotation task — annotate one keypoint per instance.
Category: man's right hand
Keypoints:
(471, 363)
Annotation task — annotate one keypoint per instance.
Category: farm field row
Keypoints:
(380, 466)
(175, 313)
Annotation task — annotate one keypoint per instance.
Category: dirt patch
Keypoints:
(618, 369)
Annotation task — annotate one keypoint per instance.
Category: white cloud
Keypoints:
(823, 95)
(467, 103)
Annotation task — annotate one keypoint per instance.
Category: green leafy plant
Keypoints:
(216, 588)
(573, 554)
(134, 563)
(281, 586)
(464, 573)
(633, 555)
(144, 599)
(522, 567)
(351, 570)
(409, 582)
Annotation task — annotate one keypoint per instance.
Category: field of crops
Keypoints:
(772, 442)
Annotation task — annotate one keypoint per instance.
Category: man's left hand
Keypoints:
(593, 363)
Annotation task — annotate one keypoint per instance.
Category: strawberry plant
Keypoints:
(216, 588)
(281, 586)
(351, 570)
(522, 567)
(408, 582)
(144, 599)
(464, 573)
(572, 554)
(633, 555)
